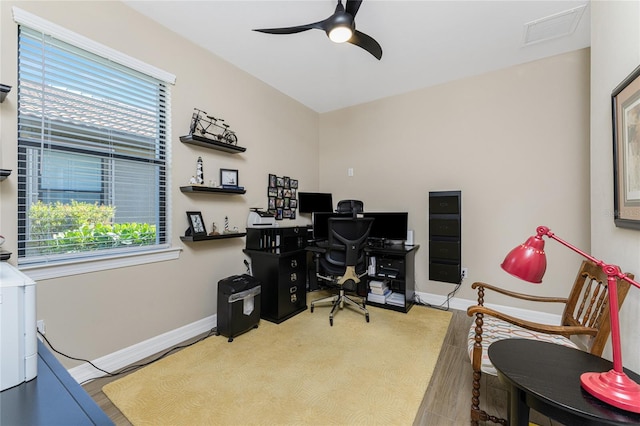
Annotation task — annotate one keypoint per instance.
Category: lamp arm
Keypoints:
(613, 272)
(610, 270)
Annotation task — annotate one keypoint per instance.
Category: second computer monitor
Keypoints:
(389, 226)
(311, 202)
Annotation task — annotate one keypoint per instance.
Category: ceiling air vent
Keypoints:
(553, 26)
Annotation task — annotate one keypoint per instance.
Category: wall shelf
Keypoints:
(4, 90)
(210, 143)
(206, 189)
(190, 238)
(4, 173)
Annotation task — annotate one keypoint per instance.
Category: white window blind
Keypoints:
(92, 154)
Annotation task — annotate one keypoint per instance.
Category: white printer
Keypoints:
(19, 345)
(260, 219)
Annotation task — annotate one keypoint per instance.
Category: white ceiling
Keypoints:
(424, 43)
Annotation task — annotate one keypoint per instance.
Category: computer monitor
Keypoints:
(311, 202)
(389, 226)
(321, 224)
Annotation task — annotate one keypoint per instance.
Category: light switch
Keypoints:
(350, 171)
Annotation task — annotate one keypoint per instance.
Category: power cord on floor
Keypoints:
(129, 368)
(419, 301)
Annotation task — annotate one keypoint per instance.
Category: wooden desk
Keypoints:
(546, 377)
(52, 398)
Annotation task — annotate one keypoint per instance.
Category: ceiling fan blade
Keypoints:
(293, 30)
(353, 6)
(367, 43)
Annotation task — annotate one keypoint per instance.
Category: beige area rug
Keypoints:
(299, 372)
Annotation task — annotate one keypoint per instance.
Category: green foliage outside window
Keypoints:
(66, 228)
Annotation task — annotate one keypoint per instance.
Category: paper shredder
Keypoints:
(238, 305)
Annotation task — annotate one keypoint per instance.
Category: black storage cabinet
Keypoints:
(238, 305)
(445, 236)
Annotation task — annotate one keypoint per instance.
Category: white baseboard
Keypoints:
(463, 304)
(135, 353)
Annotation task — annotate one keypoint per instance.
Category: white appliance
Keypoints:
(260, 219)
(18, 337)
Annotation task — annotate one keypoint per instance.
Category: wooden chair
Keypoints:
(585, 317)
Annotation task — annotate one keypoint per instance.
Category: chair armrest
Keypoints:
(519, 295)
(541, 328)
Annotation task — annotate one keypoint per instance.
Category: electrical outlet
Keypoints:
(40, 326)
(464, 273)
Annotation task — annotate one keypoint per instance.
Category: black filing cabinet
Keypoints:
(445, 236)
(284, 282)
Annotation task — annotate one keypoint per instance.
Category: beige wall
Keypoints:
(615, 54)
(514, 141)
(95, 314)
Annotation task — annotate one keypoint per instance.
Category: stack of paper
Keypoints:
(378, 291)
(396, 299)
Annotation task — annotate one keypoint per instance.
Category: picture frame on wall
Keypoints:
(625, 106)
(272, 180)
(196, 224)
(229, 177)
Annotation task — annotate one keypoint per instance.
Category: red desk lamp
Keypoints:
(528, 262)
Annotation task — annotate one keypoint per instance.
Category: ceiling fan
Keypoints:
(340, 27)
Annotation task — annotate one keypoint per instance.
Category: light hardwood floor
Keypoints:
(446, 402)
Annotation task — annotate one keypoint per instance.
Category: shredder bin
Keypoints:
(238, 305)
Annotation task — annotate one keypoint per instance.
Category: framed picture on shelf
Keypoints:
(196, 224)
(625, 104)
(229, 177)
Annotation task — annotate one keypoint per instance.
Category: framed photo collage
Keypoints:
(282, 194)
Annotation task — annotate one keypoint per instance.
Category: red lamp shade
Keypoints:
(527, 261)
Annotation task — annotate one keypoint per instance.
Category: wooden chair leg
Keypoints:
(478, 414)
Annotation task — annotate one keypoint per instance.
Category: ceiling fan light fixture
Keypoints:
(340, 34)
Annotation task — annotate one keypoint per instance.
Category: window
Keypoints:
(92, 153)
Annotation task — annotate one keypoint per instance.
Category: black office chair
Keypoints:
(343, 264)
(350, 206)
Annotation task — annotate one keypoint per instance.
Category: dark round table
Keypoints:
(546, 377)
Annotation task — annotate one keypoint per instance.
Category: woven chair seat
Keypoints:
(495, 329)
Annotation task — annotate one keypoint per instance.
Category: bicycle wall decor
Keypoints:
(212, 128)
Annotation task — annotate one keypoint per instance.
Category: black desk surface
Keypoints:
(321, 246)
(52, 398)
(549, 375)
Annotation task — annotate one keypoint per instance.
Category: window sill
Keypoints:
(48, 271)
